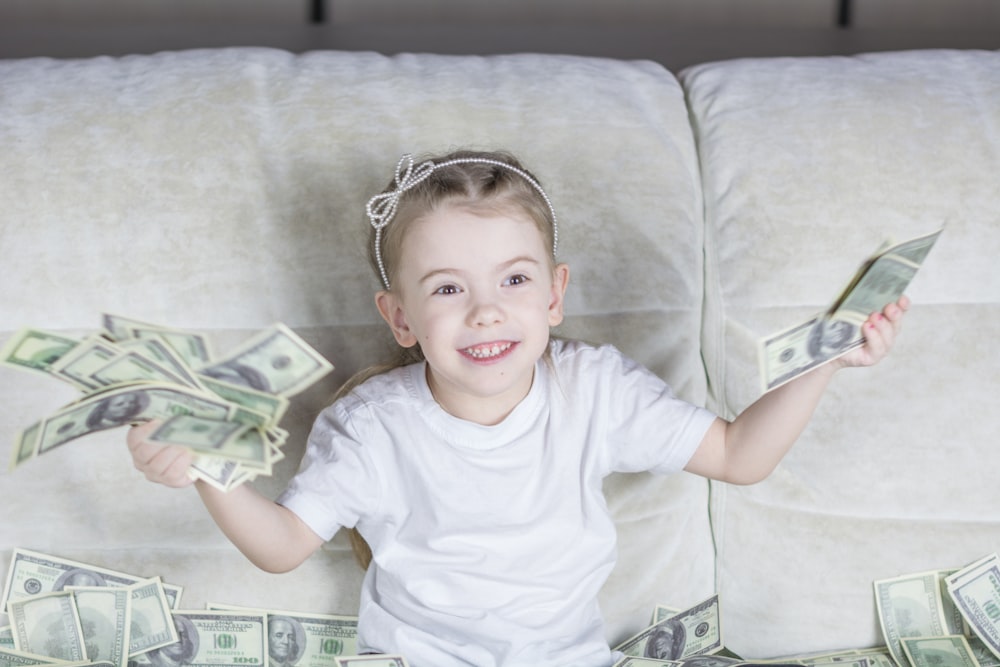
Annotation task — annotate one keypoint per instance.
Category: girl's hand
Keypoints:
(880, 331)
(163, 464)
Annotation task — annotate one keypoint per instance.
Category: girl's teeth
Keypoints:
(487, 352)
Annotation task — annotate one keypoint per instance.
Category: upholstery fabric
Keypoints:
(808, 164)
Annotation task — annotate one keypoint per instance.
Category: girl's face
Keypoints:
(478, 293)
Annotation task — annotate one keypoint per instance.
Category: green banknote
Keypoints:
(372, 661)
(909, 606)
(976, 592)
(950, 650)
(276, 361)
(10, 657)
(881, 280)
(223, 439)
(210, 638)
(105, 615)
(306, 639)
(694, 631)
(35, 350)
(48, 625)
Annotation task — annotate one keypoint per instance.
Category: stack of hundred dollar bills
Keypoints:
(225, 409)
(65, 613)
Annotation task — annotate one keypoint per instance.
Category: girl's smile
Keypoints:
(489, 352)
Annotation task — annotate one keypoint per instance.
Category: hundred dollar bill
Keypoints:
(78, 365)
(275, 361)
(950, 650)
(226, 475)
(25, 445)
(10, 657)
(695, 631)
(271, 406)
(35, 350)
(104, 617)
(852, 661)
(877, 657)
(151, 625)
(976, 592)
(223, 439)
(371, 661)
(882, 279)
(867, 657)
(662, 613)
(221, 474)
(164, 356)
(304, 639)
(982, 653)
(909, 606)
(6, 637)
(48, 625)
(954, 623)
(34, 573)
(131, 367)
(797, 350)
(120, 406)
(192, 347)
(632, 661)
(214, 638)
(310, 640)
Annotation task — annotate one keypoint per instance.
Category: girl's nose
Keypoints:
(485, 313)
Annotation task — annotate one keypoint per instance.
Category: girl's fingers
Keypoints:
(165, 464)
(136, 436)
(876, 330)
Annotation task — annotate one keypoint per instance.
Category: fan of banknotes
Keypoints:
(225, 409)
(69, 614)
(881, 280)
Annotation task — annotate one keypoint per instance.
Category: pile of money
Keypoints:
(693, 638)
(225, 409)
(943, 617)
(65, 613)
(881, 280)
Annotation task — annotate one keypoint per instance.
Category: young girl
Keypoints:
(474, 472)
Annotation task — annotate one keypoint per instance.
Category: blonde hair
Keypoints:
(481, 186)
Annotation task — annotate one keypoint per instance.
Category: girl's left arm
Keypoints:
(747, 449)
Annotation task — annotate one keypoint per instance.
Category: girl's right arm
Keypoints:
(270, 535)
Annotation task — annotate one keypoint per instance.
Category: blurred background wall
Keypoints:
(674, 32)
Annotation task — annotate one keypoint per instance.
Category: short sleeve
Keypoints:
(337, 483)
(646, 427)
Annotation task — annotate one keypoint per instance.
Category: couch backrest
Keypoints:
(808, 164)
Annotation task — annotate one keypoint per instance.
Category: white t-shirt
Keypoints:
(490, 543)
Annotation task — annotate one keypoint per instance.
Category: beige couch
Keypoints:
(224, 190)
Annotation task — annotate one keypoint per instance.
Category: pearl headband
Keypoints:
(381, 208)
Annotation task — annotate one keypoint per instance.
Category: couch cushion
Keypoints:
(225, 190)
(808, 165)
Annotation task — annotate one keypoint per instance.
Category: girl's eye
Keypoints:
(516, 279)
(446, 289)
